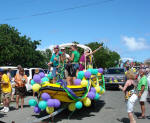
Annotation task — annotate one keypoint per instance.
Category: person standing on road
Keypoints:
(143, 92)
(130, 94)
(6, 90)
(20, 80)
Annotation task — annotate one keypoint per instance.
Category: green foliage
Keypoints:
(17, 49)
(104, 57)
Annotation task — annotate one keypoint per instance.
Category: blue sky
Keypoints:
(123, 25)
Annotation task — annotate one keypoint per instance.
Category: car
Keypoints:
(28, 71)
(114, 77)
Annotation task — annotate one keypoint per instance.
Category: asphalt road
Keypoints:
(110, 108)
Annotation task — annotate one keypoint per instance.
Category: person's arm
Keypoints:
(72, 57)
(15, 80)
(94, 51)
(125, 86)
(141, 92)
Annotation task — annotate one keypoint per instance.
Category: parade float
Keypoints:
(88, 86)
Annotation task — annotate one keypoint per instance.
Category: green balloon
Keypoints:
(45, 79)
(50, 75)
(80, 75)
(32, 82)
(97, 96)
(42, 105)
(78, 105)
(32, 102)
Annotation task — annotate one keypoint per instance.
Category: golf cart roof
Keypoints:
(78, 45)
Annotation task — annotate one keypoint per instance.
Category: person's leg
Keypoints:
(54, 74)
(142, 109)
(130, 115)
(17, 101)
(22, 102)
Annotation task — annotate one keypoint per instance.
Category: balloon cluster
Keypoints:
(38, 80)
(95, 91)
(46, 103)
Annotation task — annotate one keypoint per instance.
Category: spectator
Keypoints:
(20, 80)
(130, 94)
(54, 61)
(6, 90)
(148, 79)
(143, 92)
(18, 67)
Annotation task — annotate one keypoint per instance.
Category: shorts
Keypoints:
(6, 95)
(144, 96)
(21, 91)
(54, 71)
(130, 103)
(72, 69)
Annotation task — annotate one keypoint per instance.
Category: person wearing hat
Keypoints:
(6, 90)
(54, 61)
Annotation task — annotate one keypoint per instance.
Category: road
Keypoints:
(110, 109)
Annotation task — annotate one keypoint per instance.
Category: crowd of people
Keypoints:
(8, 89)
(65, 66)
(136, 88)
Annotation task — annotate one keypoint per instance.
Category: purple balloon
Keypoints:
(93, 89)
(100, 70)
(45, 96)
(37, 109)
(50, 102)
(56, 103)
(87, 74)
(77, 81)
(41, 74)
(37, 78)
(112, 79)
(91, 95)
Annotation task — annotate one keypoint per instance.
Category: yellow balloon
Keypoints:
(87, 102)
(49, 110)
(99, 74)
(116, 80)
(84, 83)
(83, 78)
(36, 87)
(97, 88)
(102, 92)
(72, 107)
(125, 72)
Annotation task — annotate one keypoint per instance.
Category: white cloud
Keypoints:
(135, 44)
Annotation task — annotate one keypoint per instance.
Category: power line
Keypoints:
(61, 10)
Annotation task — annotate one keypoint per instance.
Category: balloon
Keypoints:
(90, 70)
(100, 70)
(50, 75)
(71, 107)
(37, 78)
(78, 105)
(36, 87)
(56, 103)
(87, 102)
(77, 81)
(93, 89)
(50, 102)
(32, 102)
(49, 110)
(102, 91)
(97, 96)
(37, 109)
(41, 74)
(87, 74)
(97, 88)
(84, 83)
(91, 95)
(45, 96)
(95, 71)
(42, 105)
(32, 82)
(80, 75)
(45, 79)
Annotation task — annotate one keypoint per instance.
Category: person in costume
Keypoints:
(86, 59)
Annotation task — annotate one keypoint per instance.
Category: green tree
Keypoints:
(17, 49)
(104, 57)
